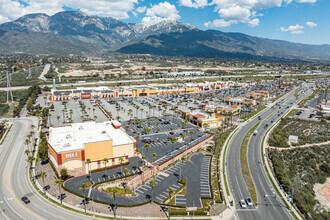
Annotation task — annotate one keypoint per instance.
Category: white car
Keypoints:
(249, 201)
(242, 204)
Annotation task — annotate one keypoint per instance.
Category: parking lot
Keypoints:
(195, 171)
(166, 138)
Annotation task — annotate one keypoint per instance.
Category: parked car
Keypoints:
(249, 201)
(242, 204)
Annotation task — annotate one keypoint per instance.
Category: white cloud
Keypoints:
(141, 9)
(219, 23)
(158, 13)
(111, 8)
(163, 9)
(194, 3)
(246, 11)
(3, 19)
(311, 24)
(254, 22)
(293, 29)
(306, 1)
(108, 8)
(236, 13)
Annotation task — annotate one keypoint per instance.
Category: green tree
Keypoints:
(43, 175)
(113, 192)
(105, 162)
(64, 173)
(59, 183)
(121, 160)
(152, 184)
(84, 187)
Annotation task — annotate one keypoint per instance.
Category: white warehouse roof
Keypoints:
(74, 136)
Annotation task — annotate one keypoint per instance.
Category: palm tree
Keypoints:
(117, 109)
(27, 143)
(43, 175)
(118, 118)
(141, 112)
(59, 183)
(58, 119)
(30, 160)
(71, 113)
(171, 191)
(152, 183)
(143, 160)
(191, 133)
(126, 171)
(154, 156)
(88, 162)
(105, 162)
(147, 147)
(63, 111)
(137, 151)
(113, 191)
(84, 187)
(137, 108)
(121, 160)
(27, 152)
(95, 117)
(89, 110)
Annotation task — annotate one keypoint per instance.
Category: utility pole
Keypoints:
(8, 88)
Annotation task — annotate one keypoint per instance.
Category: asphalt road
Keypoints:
(269, 208)
(14, 185)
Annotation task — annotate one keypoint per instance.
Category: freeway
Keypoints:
(15, 182)
(268, 207)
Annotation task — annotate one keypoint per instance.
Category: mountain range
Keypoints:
(72, 32)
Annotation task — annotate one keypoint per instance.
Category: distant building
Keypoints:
(203, 119)
(71, 146)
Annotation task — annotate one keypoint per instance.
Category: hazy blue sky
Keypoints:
(305, 21)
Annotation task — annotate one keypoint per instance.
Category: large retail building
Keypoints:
(72, 145)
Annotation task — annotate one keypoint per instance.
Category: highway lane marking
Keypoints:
(13, 209)
(11, 191)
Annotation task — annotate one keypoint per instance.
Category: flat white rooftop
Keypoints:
(74, 136)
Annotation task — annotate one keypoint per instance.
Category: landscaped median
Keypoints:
(245, 165)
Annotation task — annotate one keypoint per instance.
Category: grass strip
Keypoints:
(245, 166)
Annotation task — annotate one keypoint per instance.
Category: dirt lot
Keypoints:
(322, 192)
